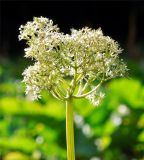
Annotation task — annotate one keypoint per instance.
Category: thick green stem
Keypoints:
(70, 130)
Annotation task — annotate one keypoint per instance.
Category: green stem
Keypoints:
(70, 130)
(86, 94)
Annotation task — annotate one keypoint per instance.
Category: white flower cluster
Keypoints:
(95, 97)
(67, 64)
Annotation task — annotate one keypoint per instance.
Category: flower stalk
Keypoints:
(70, 130)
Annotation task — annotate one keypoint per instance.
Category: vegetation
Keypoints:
(36, 130)
(69, 66)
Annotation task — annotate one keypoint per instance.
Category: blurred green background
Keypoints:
(36, 130)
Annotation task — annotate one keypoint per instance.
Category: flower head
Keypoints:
(68, 64)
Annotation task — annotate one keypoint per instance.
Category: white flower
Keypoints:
(95, 97)
(65, 62)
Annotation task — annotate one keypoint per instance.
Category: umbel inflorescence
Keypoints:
(69, 65)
